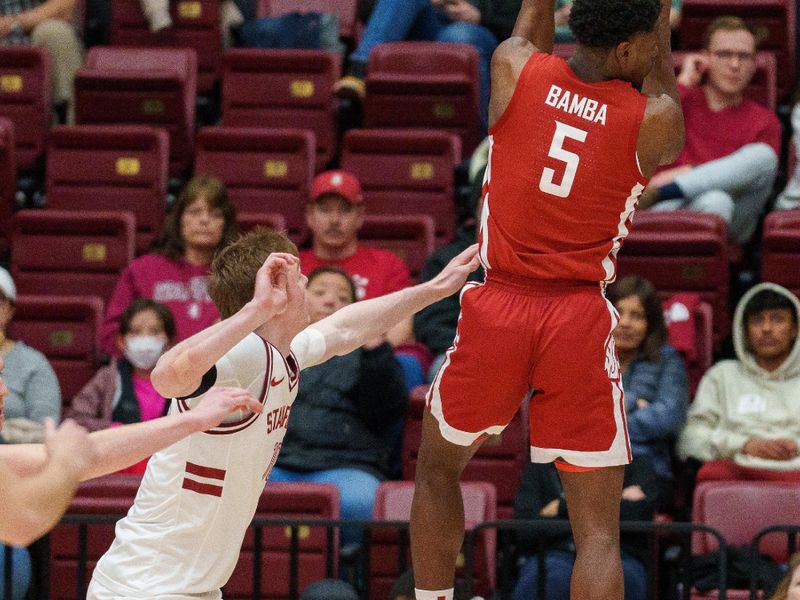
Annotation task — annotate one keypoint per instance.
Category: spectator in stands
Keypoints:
(343, 421)
(789, 198)
(654, 376)
(33, 392)
(789, 587)
(730, 158)
(232, 13)
(564, 7)
(743, 422)
(481, 24)
(121, 392)
(540, 496)
(335, 213)
(47, 23)
(201, 223)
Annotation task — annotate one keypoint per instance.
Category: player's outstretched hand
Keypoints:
(270, 288)
(69, 446)
(453, 276)
(219, 402)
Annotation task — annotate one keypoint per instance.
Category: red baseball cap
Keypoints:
(341, 183)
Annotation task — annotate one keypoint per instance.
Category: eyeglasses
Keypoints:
(730, 55)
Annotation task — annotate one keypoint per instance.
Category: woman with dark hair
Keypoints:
(654, 376)
(121, 392)
(201, 223)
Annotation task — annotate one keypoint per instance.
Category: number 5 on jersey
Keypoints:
(570, 160)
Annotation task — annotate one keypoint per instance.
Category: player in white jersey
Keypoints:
(181, 538)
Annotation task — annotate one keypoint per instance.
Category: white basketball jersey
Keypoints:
(184, 532)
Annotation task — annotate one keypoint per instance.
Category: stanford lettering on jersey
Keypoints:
(574, 104)
(277, 418)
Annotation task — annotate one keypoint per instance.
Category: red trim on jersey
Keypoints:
(202, 488)
(202, 471)
(293, 370)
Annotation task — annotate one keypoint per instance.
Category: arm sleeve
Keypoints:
(124, 294)
(86, 408)
(308, 347)
(381, 395)
(666, 413)
(42, 393)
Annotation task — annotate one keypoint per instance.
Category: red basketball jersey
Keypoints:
(563, 178)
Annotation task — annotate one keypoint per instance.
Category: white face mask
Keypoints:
(144, 350)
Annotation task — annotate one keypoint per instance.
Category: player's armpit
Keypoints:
(508, 60)
(661, 134)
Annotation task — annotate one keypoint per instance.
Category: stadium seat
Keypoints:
(283, 88)
(85, 251)
(699, 357)
(406, 171)
(780, 249)
(265, 170)
(411, 237)
(141, 86)
(195, 25)
(248, 221)
(93, 167)
(772, 19)
(682, 251)
(393, 503)
(304, 501)
(63, 328)
(345, 10)
(499, 460)
(763, 87)
(25, 99)
(8, 181)
(108, 495)
(425, 84)
(739, 510)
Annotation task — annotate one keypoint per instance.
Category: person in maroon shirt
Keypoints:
(730, 158)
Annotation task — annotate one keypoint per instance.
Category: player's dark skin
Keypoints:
(593, 497)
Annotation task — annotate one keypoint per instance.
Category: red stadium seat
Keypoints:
(345, 11)
(425, 84)
(697, 351)
(411, 237)
(393, 503)
(8, 181)
(141, 86)
(288, 501)
(195, 25)
(25, 99)
(681, 251)
(282, 88)
(405, 171)
(772, 19)
(265, 170)
(780, 249)
(248, 221)
(85, 251)
(107, 167)
(63, 328)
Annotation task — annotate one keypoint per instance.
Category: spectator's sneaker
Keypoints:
(350, 87)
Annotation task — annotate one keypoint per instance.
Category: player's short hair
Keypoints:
(767, 300)
(233, 272)
(727, 23)
(335, 271)
(606, 23)
(142, 304)
(656, 335)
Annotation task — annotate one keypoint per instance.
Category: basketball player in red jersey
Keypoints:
(572, 145)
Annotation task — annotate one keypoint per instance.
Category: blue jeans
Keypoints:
(20, 572)
(559, 565)
(398, 20)
(357, 490)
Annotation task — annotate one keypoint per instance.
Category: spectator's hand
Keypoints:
(454, 275)
(6, 25)
(779, 449)
(438, 4)
(461, 11)
(219, 402)
(562, 14)
(270, 295)
(550, 509)
(642, 403)
(69, 446)
(692, 70)
(633, 493)
(664, 177)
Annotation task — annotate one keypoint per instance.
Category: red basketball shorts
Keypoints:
(556, 340)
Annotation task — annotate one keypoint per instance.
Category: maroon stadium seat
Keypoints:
(25, 99)
(141, 86)
(93, 167)
(65, 253)
(699, 357)
(195, 24)
(288, 501)
(248, 221)
(63, 328)
(8, 181)
(682, 251)
(411, 237)
(406, 171)
(393, 503)
(780, 250)
(773, 19)
(425, 84)
(345, 11)
(282, 88)
(265, 170)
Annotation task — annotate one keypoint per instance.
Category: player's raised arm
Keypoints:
(536, 23)
(353, 325)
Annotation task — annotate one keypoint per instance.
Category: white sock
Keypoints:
(434, 594)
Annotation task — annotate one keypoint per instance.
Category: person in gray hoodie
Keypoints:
(743, 423)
